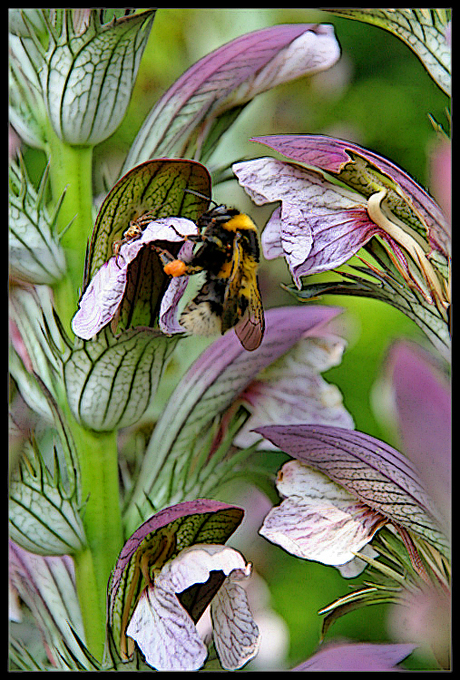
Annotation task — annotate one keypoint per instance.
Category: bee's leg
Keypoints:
(193, 269)
(193, 238)
(164, 255)
(174, 267)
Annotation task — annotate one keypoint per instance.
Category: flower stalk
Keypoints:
(73, 162)
(98, 456)
(103, 529)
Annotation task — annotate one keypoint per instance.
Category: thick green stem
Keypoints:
(71, 170)
(102, 523)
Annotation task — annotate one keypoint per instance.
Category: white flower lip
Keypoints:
(318, 520)
(165, 632)
(105, 292)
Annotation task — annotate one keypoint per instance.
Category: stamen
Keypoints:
(408, 242)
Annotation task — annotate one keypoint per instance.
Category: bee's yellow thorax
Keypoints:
(240, 223)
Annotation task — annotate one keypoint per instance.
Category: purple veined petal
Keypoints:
(296, 237)
(331, 154)
(271, 241)
(336, 236)
(236, 635)
(230, 76)
(165, 633)
(167, 319)
(351, 657)
(168, 309)
(368, 468)
(100, 301)
(105, 291)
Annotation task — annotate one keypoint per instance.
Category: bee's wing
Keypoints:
(250, 330)
(242, 304)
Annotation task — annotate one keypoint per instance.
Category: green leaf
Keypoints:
(355, 600)
(27, 111)
(45, 506)
(35, 253)
(424, 30)
(33, 355)
(88, 76)
(17, 25)
(111, 380)
(44, 517)
(46, 585)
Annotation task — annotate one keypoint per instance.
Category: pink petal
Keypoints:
(319, 226)
(351, 657)
(331, 154)
(423, 403)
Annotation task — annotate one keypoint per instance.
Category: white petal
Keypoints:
(165, 633)
(194, 565)
(168, 229)
(105, 292)
(272, 244)
(168, 320)
(236, 635)
(101, 300)
(319, 520)
(313, 51)
(291, 390)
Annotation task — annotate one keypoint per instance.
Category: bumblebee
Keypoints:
(229, 255)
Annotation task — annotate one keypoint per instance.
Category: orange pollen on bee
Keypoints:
(175, 268)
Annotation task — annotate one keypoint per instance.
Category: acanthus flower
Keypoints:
(335, 198)
(382, 481)
(103, 297)
(170, 569)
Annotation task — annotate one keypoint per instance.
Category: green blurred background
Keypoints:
(379, 96)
